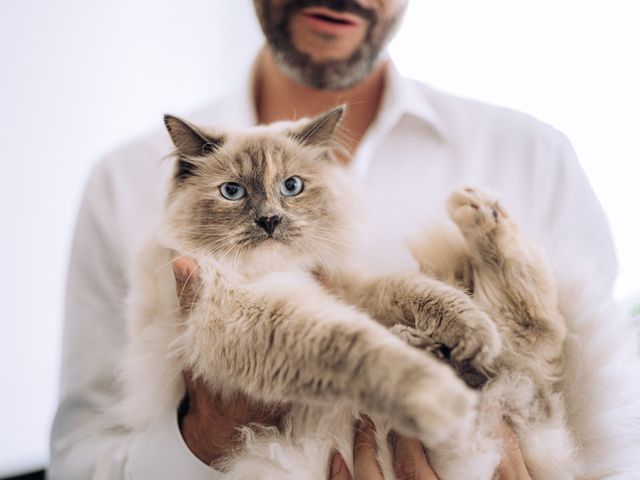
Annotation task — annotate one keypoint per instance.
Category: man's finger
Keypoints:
(410, 461)
(338, 469)
(364, 452)
(185, 273)
(183, 269)
(512, 466)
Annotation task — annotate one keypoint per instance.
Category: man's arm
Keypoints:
(574, 223)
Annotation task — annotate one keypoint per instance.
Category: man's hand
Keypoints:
(210, 424)
(410, 461)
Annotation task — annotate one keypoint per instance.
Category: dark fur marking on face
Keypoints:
(184, 169)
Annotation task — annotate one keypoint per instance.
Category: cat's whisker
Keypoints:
(340, 230)
(235, 249)
(163, 266)
(318, 244)
(331, 240)
(319, 234)
(238, 253)
(196, 295)
(220, 242)
(235, 245)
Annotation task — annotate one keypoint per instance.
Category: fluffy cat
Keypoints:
(270, 215)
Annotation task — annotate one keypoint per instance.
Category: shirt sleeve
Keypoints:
(82, 446)
(576, 224)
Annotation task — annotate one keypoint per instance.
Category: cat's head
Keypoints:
(262, 198)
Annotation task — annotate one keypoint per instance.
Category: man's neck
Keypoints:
(278, 97)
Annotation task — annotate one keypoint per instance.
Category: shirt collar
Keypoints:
(401, 97)
(405, 97)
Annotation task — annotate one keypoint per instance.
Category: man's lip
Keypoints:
(331, 17)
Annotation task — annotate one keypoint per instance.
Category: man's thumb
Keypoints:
(187, 279)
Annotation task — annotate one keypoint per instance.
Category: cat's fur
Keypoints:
(509, 278)
(262, 322)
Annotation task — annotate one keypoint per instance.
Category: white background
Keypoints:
(78, 77)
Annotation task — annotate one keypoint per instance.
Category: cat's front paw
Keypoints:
(414, 337)
(476, 212)
(473, 376)
(435, 408)
(470, 337)
(474, 339)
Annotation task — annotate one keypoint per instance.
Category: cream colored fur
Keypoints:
(510, 280)
(277, 333)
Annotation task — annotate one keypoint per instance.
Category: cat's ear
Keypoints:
(320, 130)
(189, 140)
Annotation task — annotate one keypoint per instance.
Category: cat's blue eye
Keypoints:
(291, 186)
(232, 191)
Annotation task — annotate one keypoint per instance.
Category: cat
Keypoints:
(270, 216)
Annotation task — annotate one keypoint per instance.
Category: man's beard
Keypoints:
(329, 74)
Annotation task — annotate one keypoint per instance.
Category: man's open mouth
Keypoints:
(331, 16)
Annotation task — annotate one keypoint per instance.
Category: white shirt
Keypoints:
(422, 144)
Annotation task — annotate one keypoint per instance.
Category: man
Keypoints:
(410, 146)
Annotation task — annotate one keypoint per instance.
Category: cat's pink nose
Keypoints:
(269, 224)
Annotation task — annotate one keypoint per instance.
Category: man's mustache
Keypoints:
(344, 6)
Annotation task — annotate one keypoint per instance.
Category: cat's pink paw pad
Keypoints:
(474, 209)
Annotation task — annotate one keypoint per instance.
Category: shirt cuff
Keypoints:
(161, 453)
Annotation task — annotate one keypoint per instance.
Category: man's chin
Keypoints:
(329, 75)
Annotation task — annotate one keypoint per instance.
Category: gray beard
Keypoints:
(332, 74)
(329, 75)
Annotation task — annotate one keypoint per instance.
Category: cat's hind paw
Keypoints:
(475, 211)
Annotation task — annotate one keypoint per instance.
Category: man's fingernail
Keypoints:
(336, 464)
(364, 423)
